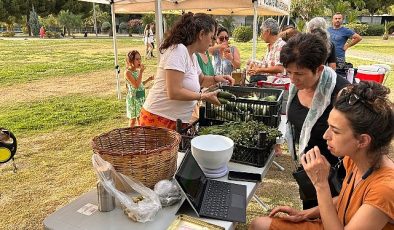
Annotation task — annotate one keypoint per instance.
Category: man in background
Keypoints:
(342, 37)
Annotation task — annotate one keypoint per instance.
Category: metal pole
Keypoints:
(95, 19)
(117, 68)
(254, 29)
(288, 16)
(159, 24)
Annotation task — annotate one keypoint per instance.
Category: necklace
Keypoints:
(353, 187)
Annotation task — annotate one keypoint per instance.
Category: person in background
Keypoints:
(226, 58)
(151, 38)
(179, 79)
(42, 32)
(272, 64)
(340, 37)
(312, 92)
(147, 42)
(318, 26)
(205, 61)
(360, 129)
(135, 86)
(288, 32)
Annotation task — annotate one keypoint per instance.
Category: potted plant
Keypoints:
(386, 32)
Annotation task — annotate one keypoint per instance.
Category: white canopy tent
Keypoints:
(214, 7)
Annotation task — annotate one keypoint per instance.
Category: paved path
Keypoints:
(371, 56)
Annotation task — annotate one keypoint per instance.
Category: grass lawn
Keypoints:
(58, 94)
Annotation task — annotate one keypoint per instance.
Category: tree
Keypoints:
(51, 23)
(34, 23)
(381, 6)
(307, 9)
(69, 20)
(228, 23)
(101, 17)
(148, 18)
(170, 20)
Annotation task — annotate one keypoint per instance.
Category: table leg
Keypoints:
(278, 166)
(265, 207)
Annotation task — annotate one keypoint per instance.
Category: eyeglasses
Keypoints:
(222, 38)
(353, 99)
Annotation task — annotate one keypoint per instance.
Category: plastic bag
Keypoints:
(142, 209)
(168, 192)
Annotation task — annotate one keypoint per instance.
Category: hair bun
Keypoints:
(374, 94)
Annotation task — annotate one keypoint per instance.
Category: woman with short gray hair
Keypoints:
(318, 26)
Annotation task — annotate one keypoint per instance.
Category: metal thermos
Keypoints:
(106, 202)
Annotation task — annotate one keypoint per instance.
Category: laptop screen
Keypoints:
(192, 180)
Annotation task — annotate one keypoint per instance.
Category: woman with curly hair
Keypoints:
(179, 78)
(360, 129)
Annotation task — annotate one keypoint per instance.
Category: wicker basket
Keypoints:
(148, 154)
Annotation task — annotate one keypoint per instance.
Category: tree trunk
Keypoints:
(27, 23)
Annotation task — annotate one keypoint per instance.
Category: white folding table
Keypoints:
(67, 218)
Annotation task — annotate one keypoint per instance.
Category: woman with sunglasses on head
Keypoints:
(226, 58)
(178, 81)
(318, 26)
(312, 92)
(361, 128)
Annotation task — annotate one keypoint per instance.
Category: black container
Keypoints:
(243, 109)
(255, 156)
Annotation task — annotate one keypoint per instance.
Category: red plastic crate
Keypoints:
(370, 77)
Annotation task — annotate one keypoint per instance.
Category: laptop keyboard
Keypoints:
(217, 200)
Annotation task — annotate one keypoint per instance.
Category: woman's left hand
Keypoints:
(225, 78)
(316, 166)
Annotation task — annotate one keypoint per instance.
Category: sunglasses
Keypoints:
(353, 98)
(222, 38)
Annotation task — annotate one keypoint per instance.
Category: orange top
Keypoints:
(376, 190)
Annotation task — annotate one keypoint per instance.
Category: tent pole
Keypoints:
(95, 19)
(117, 68)
(159, 25)
(254, 29)
(288, 16)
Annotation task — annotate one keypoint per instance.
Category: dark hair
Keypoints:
(288, 33)
(336, 13)
(369, 111)
(130, 57)
(185, 31)
(305, 50)
(221, 29)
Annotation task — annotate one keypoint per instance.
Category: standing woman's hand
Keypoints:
(224, 79)
(211, 97)
(316, 166)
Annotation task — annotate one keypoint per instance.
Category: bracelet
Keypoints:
(200, 96)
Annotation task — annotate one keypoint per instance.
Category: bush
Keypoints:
(390, 27)
(123, 27)
(51, 34)
(135, 26)
(8, 34)
(243, 34)
(106, 27)
(374, 30)
(359, 28)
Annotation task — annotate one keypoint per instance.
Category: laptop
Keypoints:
(210, 198)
